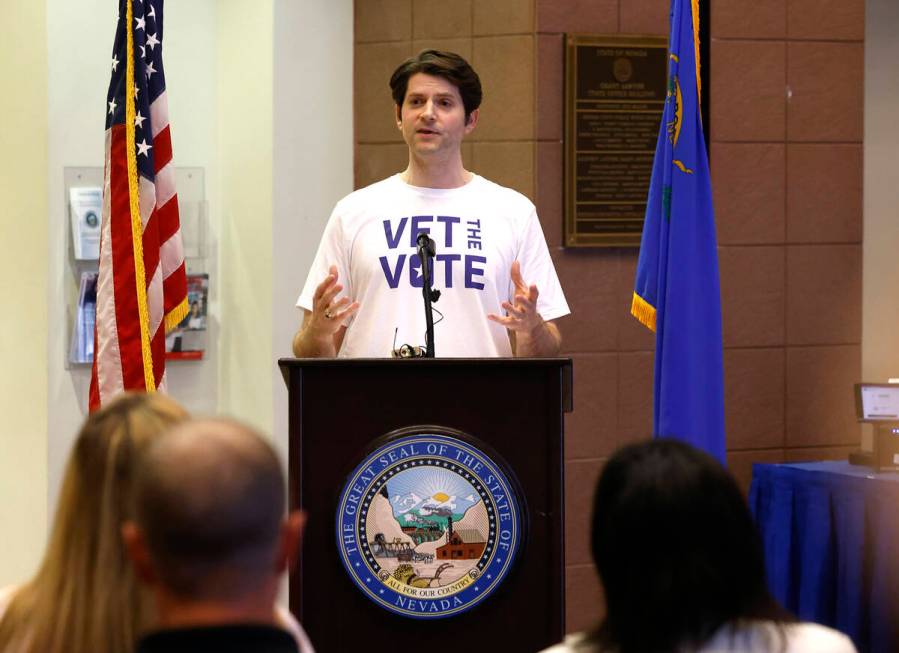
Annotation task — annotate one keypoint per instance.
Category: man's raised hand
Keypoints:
(327, 315)
(521, 314)
(530, 334)
(323, 328)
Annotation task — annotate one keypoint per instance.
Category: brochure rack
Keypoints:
(83, 192)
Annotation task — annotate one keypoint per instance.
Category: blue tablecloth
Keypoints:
(831, 536)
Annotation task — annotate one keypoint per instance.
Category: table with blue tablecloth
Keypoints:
(830, 531)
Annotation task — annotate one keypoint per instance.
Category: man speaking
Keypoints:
(500, 292)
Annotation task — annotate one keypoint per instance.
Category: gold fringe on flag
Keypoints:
(137, 226)
(695, 6)
(644, 312)
(173, 317)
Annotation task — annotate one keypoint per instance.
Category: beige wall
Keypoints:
(222, 112)
(245, 32)
(312, 156)
(786, 156)
(23, 287)
(880, 314)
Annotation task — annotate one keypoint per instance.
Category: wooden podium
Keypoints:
(337, 408)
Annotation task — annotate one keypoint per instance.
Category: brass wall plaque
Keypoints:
(614, 97)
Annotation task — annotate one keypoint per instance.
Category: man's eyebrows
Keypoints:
(436, 95)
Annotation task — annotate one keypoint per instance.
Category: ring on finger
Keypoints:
(328, 315)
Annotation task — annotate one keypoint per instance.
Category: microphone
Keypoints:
(427, 250)
(426, 245)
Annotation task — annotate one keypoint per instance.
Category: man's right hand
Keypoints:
(323, 327)
(327, 315)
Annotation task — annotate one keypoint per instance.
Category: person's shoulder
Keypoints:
(808, 637)
(758, 636)
(502, 194)
(574, 643)
(285, 619)
(6, 596)
(363, 196)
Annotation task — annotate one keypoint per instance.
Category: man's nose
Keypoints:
(427, 111)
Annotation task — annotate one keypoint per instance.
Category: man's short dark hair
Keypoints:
(448, 65)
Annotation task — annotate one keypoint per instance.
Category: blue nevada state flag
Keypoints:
(677, 290)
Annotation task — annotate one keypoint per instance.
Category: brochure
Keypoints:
(188, 341)
(86, 210)
(81, 349)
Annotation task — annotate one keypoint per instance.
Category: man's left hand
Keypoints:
(521, 316)
(530, 334)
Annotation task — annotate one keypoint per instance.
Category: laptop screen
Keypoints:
(877, 402)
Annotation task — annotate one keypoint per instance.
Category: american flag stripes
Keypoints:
(141, 288)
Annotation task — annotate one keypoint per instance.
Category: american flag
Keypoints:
(141, 288)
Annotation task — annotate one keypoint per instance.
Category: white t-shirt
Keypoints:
(755, 637)
(479, 230)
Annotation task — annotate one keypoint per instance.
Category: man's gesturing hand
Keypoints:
(521, 316)
(322, 332)
(327, 315)
(530, 335)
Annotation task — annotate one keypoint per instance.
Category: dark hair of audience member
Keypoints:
(85, 597)
(437, 63)
(676, 549)
(210, 501)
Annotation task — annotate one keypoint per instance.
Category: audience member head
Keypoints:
(437, 63)
(209, 533)
(84, 597)
(676, 549)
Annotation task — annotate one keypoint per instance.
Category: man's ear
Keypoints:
(398, 111)
(136, 547)
(291, 536)
(472, 121)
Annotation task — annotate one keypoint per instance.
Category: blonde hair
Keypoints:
(84, 597)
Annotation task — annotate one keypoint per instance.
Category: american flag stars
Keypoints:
(149, 79)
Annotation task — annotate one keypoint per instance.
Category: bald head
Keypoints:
(210, 503)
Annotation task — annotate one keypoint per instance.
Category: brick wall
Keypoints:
(786, 132)
(497, 38)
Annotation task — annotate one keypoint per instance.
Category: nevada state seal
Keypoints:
(429, 525)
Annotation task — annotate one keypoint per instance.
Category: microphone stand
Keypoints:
(426, 251)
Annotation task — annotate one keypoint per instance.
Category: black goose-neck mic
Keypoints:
(425, 243)
(426, 251)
